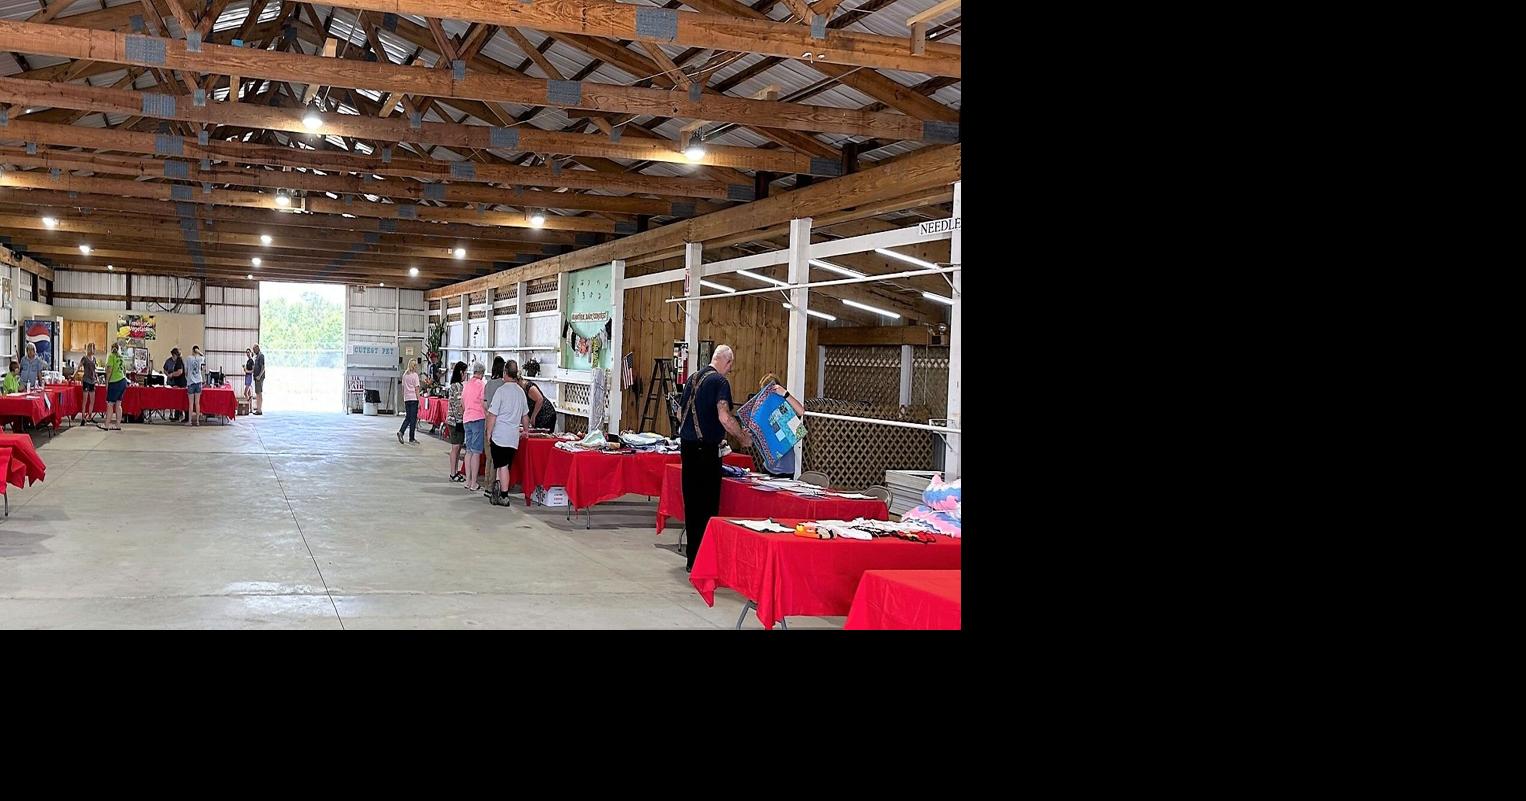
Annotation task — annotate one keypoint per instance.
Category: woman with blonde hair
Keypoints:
(116, 387)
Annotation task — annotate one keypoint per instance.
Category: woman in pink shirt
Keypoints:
(411, 404)
(473, 421)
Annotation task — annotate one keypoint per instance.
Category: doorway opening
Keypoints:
(302, 337)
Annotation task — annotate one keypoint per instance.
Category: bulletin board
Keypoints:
(587, 306)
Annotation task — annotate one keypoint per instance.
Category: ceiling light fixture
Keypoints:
(383, 283)
(311, 120)
(85, 249)
(249, 277)
(908, 259)
(51, 222)
(110, 267)
(459, 253)
(939, 298)
(265, 239)
(537, 220)
(283, 200)
(413, 272)
(255, 261)
(721, 287)
(765, 279)
(866, 307)
(836, 269)
(814, 313)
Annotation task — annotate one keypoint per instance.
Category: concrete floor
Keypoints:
(309, 520)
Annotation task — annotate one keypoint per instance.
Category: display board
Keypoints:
(137, 326)
(586, 313)
(371, 354)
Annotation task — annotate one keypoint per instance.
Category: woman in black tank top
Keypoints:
(542, 413)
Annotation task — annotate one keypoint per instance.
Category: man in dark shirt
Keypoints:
(259, 380)
(174, 374)
(706, 413)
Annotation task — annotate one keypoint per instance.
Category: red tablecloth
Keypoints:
(907, 599)
(214, 400)
(66, 400)
(786, 575)
(740, 498)
(432, 410)
(23, 453)
(593, 477)
(15, 471)
(30, 407)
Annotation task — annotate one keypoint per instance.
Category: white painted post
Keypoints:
(616, 344)
(906, 358)
(951, 467)
(695, 265)
(799, 273)
(492, 325)
(520, 292)
(466, 332)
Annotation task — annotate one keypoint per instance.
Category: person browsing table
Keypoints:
(706, 410)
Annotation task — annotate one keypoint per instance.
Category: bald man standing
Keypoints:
(706, 417)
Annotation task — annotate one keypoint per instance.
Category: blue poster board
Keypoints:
(774, 426)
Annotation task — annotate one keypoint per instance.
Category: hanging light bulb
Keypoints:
(51, 222)
(249, 277)
(413, 272)
(537, 219)
(696, 149)
(111, 267)
(85, 249)
(265, 239)
(311, 120)
(255, 261)
(459, 253)
(282, 199)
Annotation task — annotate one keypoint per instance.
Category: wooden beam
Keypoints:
(54, 200)
(875, 335)
(266, 200)
(928, 168)
(344, 184)
(932, 13)
(619, 21)
(250, 115)
(25, 262)
(221, 59)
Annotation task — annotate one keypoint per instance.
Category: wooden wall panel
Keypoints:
(753, 325)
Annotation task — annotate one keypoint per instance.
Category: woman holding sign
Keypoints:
(785, 466)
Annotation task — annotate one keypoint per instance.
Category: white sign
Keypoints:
(371, 349)
(941, 226)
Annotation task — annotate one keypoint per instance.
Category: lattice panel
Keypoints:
(929, 380)
(856, 454)
(547, 284)
(576, 393)
(478, 297)
(865, 373)
(541, 305)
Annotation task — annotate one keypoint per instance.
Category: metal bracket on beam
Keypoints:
(938, 132)
(193, 42)
(386, 155)
(463, 170)
(458, 69)
(625, 228)
(31, 148)
(741, 192)
(206, 164)
(614, 133)
(206, 187)
(177, 169)
(178, 192)
(503, 137)
(167, 145)
(199, 98)
(55, 173)
(387, 225)
(434, 191)
(407, 211)
(656, 23)
(564, 93)
(389, 23)
(818, 26)
(415, 120)
(5, 117)
(202, 136)
(147, 50)
(696, 91)
(157, 105)
(683, 209)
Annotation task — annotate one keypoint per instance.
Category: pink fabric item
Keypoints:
(471, 401)
(942, 522)
(410, 387)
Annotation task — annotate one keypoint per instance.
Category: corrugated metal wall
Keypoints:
(233, 325)
(185, 291)
(384, 314)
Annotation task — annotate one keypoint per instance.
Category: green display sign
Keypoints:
(586, 310)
